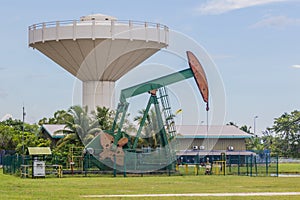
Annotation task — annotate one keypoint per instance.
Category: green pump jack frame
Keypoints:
(151, 87)
(116, 130)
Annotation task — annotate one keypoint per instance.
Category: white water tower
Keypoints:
(98, 50)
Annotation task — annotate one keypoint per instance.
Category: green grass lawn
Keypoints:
(289, 168)
(12, 187)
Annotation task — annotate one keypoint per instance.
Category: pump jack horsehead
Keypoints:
(200, 76)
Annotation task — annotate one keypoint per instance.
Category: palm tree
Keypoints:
(246, 129)
(151, 128)
(60, 117)
(104, 116)
(254, 143)
(82, 125)
(80, 129)
(287, 127)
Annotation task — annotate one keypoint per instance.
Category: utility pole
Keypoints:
(23, 150)
(254, 123)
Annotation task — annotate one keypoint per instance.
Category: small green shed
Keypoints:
(38, 161)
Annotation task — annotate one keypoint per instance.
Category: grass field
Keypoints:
(12, 187)
(289, 168)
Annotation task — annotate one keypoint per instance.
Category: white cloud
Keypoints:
(215, 7)
(296, 66)
(276, 22)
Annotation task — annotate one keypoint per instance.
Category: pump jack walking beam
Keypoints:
(195, 71)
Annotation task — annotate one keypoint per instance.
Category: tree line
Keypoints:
(80, 128)
(283, 138)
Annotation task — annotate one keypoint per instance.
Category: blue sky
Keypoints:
(254, 43)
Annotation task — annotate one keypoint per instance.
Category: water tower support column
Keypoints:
(98, 93)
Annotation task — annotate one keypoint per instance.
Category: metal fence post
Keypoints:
(267, 166)
(255, 163)
(125, 165)
(239, 164)
(247, 160)
(115, 170)
(251, 163)
(277, 166)
(229, 163)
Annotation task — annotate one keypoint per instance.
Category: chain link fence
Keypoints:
(258, 164)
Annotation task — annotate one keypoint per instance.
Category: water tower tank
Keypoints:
(98, 50)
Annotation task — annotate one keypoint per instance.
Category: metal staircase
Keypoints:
(168, 116)
(169, 123)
